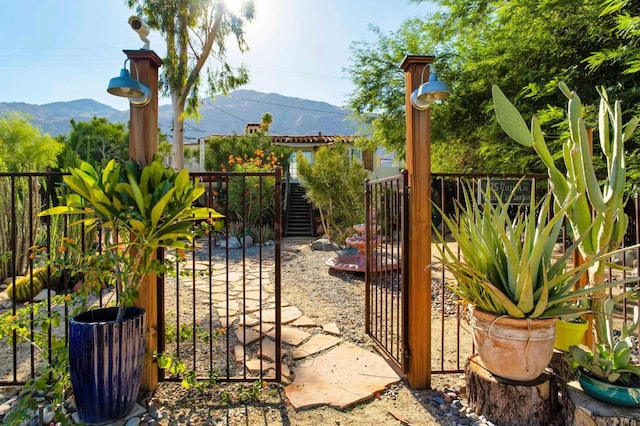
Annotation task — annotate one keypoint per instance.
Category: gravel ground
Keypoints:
(325, 296)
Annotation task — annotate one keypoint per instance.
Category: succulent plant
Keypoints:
(25, 288)
(507, 265)
(612, 360)
(597, 215)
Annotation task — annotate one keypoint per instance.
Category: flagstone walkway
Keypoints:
(325, 368)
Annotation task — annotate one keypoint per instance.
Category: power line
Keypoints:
(295, 107)
(228, 113)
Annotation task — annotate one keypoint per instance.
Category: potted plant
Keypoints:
(597, 215)
(570, 330)
(138, 210)
(508, 272)
(608, 373)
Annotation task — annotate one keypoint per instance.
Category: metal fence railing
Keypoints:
(218, 305)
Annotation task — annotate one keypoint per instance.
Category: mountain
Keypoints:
(221, 116)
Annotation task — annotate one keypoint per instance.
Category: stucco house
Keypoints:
(299, 218)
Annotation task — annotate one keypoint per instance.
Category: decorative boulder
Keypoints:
(43, 295)
(325, 245)
(628, 256)
(246, 241)
(232, 243)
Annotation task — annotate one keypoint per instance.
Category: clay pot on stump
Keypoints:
(513, 348)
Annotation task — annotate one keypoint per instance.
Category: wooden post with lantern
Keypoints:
(418, 164)
(143, 144)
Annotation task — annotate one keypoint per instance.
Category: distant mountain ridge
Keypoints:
(222, 116)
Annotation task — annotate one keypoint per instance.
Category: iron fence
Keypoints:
(451, 334)
(213, 301)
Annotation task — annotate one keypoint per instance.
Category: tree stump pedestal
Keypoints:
(582, 410)
(507, 402)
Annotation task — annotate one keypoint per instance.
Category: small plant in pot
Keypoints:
(570, 329)
(509, 274)
(609, 373)
(138, 210)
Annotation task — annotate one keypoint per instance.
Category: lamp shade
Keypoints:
(126, 86)
(417, 103)
(143, 100)
(433, 90)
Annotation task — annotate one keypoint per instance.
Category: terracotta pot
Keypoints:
(513, 348)
(569, 334)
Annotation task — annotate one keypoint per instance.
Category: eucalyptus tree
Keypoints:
(196, 31)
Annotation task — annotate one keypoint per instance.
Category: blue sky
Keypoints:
(61, 50)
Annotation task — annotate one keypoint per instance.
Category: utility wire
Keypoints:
(295, 107)
(228, 113)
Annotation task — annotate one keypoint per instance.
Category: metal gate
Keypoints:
(386, 232)
(387, 287)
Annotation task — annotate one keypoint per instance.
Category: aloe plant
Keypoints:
(596, 216)
(508, 265)
(612, 360)
(138, 210)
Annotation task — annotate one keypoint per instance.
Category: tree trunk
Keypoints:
(506, 402)
(177, 151)
(584, 410)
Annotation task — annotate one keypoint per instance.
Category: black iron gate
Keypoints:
(386, 233)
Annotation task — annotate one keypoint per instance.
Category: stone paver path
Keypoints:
(341, 377)
(327, 371)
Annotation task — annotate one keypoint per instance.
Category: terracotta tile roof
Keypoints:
(311, 140)
(302, 141)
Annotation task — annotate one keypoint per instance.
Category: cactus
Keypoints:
(42, 277)
(597, 217)
(23, 288)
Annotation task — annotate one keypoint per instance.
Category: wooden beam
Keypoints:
(143, 144)
(143, 124)
(419, 174)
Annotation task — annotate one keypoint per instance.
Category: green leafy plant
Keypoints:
(507, 265)
(335, 184)
(138, 211)
(612, 360)
(34, 323)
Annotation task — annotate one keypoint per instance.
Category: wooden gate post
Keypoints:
(143, 144)
(419, 245)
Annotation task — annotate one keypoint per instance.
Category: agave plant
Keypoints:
(508, 265)
(138, 210)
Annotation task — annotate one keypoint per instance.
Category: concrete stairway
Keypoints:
(299, 219)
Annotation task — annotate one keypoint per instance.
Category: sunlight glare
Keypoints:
(236, 7)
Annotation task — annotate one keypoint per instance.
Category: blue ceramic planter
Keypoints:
(105, 360)
(608, 392)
